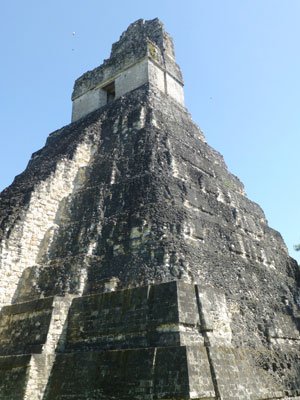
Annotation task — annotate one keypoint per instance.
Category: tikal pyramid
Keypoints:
(133, 266)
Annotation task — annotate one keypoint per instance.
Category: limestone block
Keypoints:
(237, 377)
(109, 320)
(102, 374)
(161, 373)
(283, 328)
(181, 373)
(156, 315)
(156, 76)
(88, 102)
(190, 329)
(165, 320)
(174, 89)
(24, 327)
(132, 78)
(215, 317)
(14, 372)
(200, 378)
(33, 327)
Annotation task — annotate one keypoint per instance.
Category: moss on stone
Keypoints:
(152, 51)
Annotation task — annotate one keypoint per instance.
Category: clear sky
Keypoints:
(240, 62)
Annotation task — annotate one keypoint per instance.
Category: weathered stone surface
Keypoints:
(149, 316)
(161, 373)
(37, 328)
(13, 376)
(182, 289)
(24, 327)
(237, 377)
(147, 226)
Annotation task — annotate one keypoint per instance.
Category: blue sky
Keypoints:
(240, 62)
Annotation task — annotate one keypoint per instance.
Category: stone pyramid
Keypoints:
(133, 266)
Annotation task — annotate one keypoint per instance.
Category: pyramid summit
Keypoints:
(144, 53)
(133, 266)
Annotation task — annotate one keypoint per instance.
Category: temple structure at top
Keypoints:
(144, 53)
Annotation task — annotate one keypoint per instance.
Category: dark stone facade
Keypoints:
(135, 267)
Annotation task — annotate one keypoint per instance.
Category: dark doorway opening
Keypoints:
(110, 92)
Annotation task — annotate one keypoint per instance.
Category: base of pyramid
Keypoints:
(183, 372)
(162, 341)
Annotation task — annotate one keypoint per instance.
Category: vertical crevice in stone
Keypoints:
(153, 369)
(207, 346)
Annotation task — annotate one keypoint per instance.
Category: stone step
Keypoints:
(33, 327)
(152, 373)
(164, 315)
(14, 372)
(30, 332)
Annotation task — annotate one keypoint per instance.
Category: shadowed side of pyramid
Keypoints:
(132, 263)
